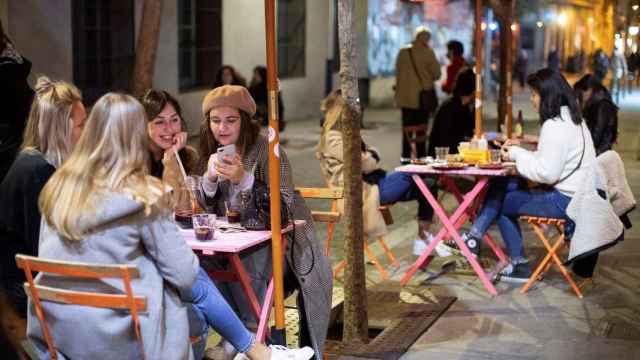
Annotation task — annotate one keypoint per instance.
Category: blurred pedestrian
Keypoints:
(600, 65)
(228, 75)
(619, 73)
(455, 52)
(258, 90)
(520, 67)
(599, 111)
(416, 71)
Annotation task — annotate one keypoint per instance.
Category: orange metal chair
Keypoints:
(333, 216)
(552, 250)
(39, 293)
(373, 259)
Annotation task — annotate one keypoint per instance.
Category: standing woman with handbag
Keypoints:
(417, 70)
(227, 112)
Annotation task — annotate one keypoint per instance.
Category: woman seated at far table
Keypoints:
(565, 149)
(379, 187)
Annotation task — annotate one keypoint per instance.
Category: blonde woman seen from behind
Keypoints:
(54, 125)
(102, 207)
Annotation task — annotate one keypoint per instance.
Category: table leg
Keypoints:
(245, 282)
(472, 211)
(449, 228)
(263, 324)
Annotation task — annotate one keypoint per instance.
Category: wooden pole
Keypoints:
(478, 70)
(274, 161)
(508, 121)
(355, 328)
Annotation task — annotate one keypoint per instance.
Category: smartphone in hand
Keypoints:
(226, 151)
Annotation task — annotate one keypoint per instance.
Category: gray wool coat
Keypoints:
(309, 269)
(120, 233)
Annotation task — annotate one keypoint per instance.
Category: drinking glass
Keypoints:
(496, 156)
(441, 154)
(204, 226)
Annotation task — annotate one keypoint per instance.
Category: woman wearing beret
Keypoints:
(227, 112)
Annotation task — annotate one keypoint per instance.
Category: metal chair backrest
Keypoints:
(39, 293)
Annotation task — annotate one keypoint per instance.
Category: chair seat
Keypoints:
(542, 220)
(326, 216)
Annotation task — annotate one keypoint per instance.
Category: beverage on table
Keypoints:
(204, 226)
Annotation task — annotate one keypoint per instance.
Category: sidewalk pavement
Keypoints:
(548, 322)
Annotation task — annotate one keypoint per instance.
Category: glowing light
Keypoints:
(634, 30)
(539, 24)
(493, 26)
(635, 7)
(483, 26)
(514, 27)
(562, 19)
(590, 20)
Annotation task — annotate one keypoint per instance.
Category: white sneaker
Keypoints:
(420, 246)
(279, 352)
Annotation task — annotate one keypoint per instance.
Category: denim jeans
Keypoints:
(399, 186)
(509, 198)
(209, 308)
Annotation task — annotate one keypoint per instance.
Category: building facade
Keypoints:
(91, 43)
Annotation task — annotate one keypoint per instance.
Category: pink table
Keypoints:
(230, 245)
(468, 205)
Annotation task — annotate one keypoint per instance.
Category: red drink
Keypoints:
(204, 234)
(233, 216)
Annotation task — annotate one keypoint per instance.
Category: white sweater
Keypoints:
(559, 149)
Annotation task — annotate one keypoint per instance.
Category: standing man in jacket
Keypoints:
(417, 69)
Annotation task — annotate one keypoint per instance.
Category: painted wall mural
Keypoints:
(391, 24)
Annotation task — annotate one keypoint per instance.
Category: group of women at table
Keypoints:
(103, 185)
(106, 184)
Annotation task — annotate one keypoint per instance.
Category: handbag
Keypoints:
(257, 207)
(428, 99)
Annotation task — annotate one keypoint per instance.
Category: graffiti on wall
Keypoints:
(391, 24)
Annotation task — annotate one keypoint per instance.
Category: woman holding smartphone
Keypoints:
(227, 112)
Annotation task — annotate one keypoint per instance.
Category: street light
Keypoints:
(635, 7)
(562, 19)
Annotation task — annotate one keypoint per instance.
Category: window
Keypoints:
(103, 46)
(291, 38)
(199, 42)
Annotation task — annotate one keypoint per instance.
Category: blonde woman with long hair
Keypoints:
(54, 125)
(103, 207)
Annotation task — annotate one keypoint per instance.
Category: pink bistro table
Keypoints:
(467, 208)
(231, 245)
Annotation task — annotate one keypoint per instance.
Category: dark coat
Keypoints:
(452, 124)
(20, 218)
(308, 268)
(16, 95)
(601, 115)
(260, 96)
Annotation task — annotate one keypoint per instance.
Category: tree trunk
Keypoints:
(355, 293)
(146, 47)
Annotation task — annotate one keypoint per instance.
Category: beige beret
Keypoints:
(229, 95)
